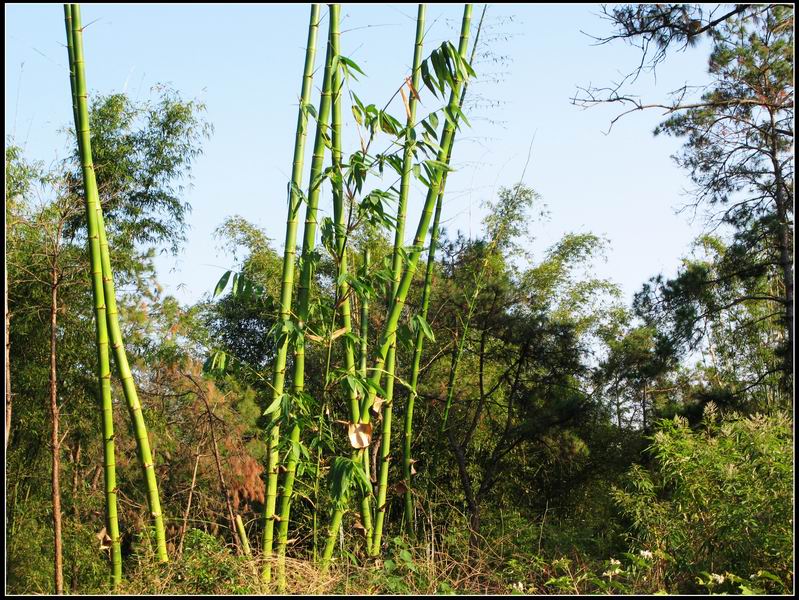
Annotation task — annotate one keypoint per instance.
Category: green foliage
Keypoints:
(719, 498)
(143, 152)
(207, 567)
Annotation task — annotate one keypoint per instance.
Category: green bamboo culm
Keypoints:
(364, 355)
(417, 358)
(342, 288)
(421, 233)
(392, 319)
(287, 285)
(120, 356)
(343, 291)
(245, 542)
(399, 238)
(81, 115)
(407, 461)
(362, 456)
(303, 296)
(340, 226)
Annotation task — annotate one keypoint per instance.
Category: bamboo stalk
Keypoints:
(81, 114)
(289, 259)
(413, 257)
(364, 356)
(421, 231)
(120, 356)
(340, 227)
(362, 455)
(417, 358)
(245, 542)
(342, 288)
(55, 442)
(399, 238)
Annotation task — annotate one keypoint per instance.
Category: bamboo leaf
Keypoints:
(425, 327)
(428, 80)
(351, 64)
(356, 112)
(274, 406)
(220, 286)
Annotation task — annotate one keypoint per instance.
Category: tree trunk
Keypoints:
(784, 245)
(188, 505)
(643, 408)
(57, 559)
(215, 448)
(468, 491)
(75, 513)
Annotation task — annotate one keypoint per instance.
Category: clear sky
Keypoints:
(245, 62)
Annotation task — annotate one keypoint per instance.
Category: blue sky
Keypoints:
(245, 62)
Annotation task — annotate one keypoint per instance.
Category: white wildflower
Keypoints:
(717, 578)
(646, 553)
(613, 561)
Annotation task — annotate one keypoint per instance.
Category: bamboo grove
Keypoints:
(371, 403)
(413, 153)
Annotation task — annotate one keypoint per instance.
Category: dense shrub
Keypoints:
(719, 498)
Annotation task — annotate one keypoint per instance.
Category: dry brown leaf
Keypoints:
(409, 81)
(405, 102)
(360, 434)
(337, 333)
(376, 406)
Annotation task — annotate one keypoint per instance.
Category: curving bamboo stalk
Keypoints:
(421, 231)
(364, 355)
(117, 344)
(81, 115)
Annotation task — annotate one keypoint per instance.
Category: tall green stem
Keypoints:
(478, 286)
(364, 355)
(287, 285)
(418, 241)
(307, 261)
(417, 358)
(362, 455)
(123, 368)
(81, 114)
(342, 287)
(340, 226)
(399, 239)
(131, 396)
(413, 257)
